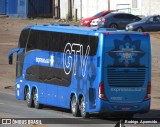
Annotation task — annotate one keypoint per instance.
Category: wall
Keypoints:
(63, 8)
(150, 7)
(2, 6)
(87, 8)
(39, 8)
(12, 8)
(137, 11)
(22, 8)
(115, 4)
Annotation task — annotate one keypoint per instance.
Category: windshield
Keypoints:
(98, 14)
(146, 18)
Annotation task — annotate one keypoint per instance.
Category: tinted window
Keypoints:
(38, 40)
(150, 20)
(56, 41)
(23, 38)
(33, 40)
(19, 64)
(119, 16)
(59, 40)
(109, 15)
(43, 40)
(49, 75)
(127, 16)
(157, 19)
(98, 14)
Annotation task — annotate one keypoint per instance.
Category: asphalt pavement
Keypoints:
(13, 109)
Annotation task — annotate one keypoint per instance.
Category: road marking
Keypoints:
(7, 93)
(64, 115)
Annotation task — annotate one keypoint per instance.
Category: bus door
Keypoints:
(127, 68)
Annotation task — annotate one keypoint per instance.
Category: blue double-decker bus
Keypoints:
(87, 70)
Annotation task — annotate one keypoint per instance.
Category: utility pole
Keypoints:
(69, 9)
(81, 8)
(108, 5)
(53, 8)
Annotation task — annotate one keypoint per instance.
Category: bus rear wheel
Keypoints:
(28, 97)
(83, 112)
(37, 105)
(74, 107)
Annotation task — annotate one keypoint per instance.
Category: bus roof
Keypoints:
(67, 28)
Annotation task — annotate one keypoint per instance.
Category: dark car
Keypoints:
(117, 20)
(150, 23)
(87, 21)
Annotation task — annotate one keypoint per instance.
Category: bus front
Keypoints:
(126, 81)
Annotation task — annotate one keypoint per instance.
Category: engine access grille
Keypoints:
(126, 77)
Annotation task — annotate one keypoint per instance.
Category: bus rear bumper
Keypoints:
(141, 107)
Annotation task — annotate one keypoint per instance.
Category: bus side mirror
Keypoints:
(10, 59)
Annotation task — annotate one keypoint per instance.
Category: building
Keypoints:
(86, 8)
(26, 8)
(71, 9)
(150, 7)
(3, 7)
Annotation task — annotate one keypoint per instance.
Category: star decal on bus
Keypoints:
(127, 52)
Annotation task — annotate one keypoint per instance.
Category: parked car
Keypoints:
(95, 22)
(87, 21)
(117, 20)
(150, 23)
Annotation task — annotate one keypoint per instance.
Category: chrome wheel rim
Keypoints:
(35, 98)
(73, 105)
(28, 97)
(83, 110)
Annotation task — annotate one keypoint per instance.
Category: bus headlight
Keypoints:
(18, 86)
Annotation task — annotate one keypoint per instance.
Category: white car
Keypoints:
(94, 22)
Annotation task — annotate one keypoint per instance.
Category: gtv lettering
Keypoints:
(69, 59)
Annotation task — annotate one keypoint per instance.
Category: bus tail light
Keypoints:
(145, 34)
(148, 94)
(101, 91)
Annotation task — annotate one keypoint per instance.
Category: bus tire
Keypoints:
(83, 112)
(28, 98)
(74, 107)
(37, 105)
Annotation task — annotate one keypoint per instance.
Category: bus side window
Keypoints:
(93, 40)
(43, 42)
(53, 46)
(74, 38)
(33, 40)
(64, 39)
(23, 38)
(19, 64)
(20, 57)
(84, 40)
